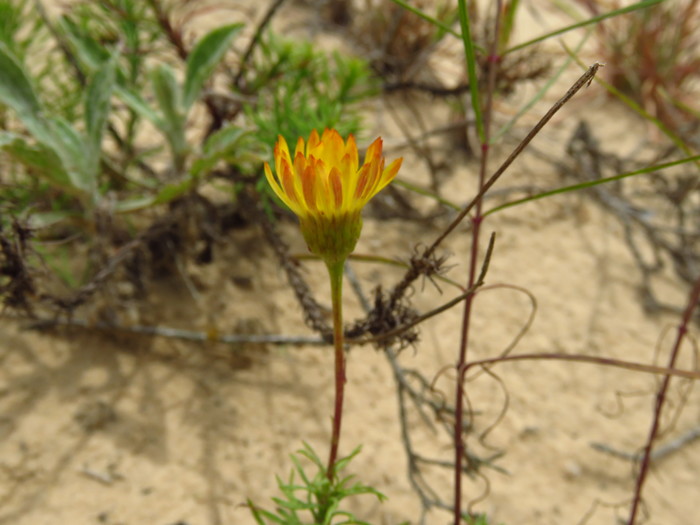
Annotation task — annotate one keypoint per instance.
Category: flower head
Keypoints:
(325, 186)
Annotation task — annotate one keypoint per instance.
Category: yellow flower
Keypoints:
(327, 189)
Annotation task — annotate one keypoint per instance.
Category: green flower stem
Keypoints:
(335, 271)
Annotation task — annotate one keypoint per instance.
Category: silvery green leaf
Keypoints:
(140, 106)
(70, 146)
(217, 147)
(168, 96)
(88, 51)
(202, 60)
(17, 92)
(39, 159)
(167, 93)
(97, 108)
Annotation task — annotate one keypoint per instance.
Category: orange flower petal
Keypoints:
(351, 151)
(299, 148)
(324, 187)
(289, 186)
(374, 151)
(308, 186)
(273, 183)
(372, 177)
(336, 186)
(333, 147)
(314, 141)
(281, 152)
(362, 180)
(299, 163)
(388, 174)
(323, 190)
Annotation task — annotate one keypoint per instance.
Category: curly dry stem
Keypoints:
(632, 366)
(429, 499)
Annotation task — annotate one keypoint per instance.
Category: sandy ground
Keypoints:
(130, 430)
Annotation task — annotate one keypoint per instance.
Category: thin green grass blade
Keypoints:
(511, 10)
(634, 7)
(590, 184)
(685, 107)
(470, 55)
(541, 93)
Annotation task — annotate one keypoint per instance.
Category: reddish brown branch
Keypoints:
(473, 263)
(660, 400)
(174, 34)
(591, 359)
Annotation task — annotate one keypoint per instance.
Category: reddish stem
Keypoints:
(473, 263)
(335, 271)
(660, 399)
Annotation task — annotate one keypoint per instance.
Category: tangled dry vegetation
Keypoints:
(176, 122)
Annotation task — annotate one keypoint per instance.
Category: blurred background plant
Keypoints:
(77, 122)
(314, 497)
(299, 88)
(131, 144)
(653, 57)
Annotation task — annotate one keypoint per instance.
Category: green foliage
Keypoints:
(56, 140)
(97, 109)
(204, 58)
(175, 101)
(320, 498)
(89, 29)
(67, 157)
(301, 89)
(234, 146)
(470, 56)
(14, 16)
(508, 25)
(92, 27)
(16, 90)
(478, 519)
(172, 118)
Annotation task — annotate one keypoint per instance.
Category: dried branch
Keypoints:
(413, 273)
(245, 61)
(693, 299)
(658, 453)
(177, 333)
(633, 366)
(174, 34)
